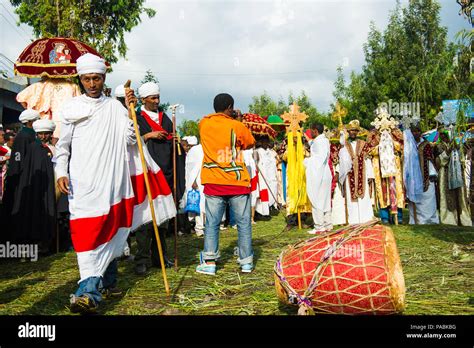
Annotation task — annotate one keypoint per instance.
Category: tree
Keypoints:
(264, 106)
(149, 77)
(189, 127)
(101, 24)
(411, 61)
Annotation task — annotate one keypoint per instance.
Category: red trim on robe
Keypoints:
(91, 232)
(254, 183)
(155, 126)
(264, 195)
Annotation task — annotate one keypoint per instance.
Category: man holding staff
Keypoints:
(99, 168)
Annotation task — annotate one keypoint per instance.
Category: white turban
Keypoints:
(29, 115)
(192, 140)
(90, 64)
(44, 125)
(119, 91)
(149, 88)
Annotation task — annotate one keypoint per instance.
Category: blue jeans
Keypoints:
(386, 217)
(91, 286)
(240, 210)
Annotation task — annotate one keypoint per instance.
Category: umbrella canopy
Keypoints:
(275, 120)
(258, 125)
(52, 57)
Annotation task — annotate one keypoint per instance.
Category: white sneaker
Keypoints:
(199, 233)
(222, 228)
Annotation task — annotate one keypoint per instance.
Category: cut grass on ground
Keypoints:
(438, 265)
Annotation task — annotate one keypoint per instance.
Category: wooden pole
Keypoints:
(299, 220)
(346, 210)
(133, 116)
(173, 119)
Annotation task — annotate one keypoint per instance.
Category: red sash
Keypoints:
(155, 126)
(3, 151)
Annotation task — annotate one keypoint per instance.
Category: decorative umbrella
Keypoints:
(258, 125)
(275, 120)
(52, 57)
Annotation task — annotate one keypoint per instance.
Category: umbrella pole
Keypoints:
(133, 116)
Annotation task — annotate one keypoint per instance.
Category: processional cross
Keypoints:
(339, 113)
(294, 117)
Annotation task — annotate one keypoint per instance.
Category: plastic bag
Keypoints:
(193, 199)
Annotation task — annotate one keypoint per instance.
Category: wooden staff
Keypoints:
(173, 119)
(268, 187)
(346, 197)
(133, 116)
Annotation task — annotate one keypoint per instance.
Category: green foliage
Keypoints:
(189, 127)
(101, 24)
(436, 260)
(411, 61)
(264, 105)
(149, 77)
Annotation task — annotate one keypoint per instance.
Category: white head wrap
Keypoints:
(29, 115)
(119, 91)
(192, 140)
(44, 125)
(149, 88)
(90, 64)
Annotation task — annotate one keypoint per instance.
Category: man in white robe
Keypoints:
(355, 169)
(193, 168)
(319, 180)
(424, 210)
(98, 166)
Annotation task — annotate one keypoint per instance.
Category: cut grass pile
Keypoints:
(438, 264)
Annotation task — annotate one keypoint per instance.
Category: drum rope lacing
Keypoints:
(303, 301)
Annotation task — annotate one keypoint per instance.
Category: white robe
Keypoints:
(272, 178)
(426, 209)
(252, 169)
(97, 150)
(338, 207)
(263, 199)
(360, 210)
(193, 168)
(318, 174)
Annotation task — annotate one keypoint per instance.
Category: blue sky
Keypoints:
(199, 48)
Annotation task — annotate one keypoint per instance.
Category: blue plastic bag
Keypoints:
(193, 200)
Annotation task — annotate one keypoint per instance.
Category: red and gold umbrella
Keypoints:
(258, 125)
(52, 57)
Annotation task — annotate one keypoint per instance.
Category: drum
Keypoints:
(355, 270)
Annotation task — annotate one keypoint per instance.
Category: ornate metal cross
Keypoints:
(294, 117)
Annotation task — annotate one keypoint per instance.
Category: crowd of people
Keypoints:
(85, 190)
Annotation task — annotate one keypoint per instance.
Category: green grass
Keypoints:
(438, 265)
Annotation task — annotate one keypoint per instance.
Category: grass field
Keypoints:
(438, 264)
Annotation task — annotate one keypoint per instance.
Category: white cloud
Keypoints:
(200, 48)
